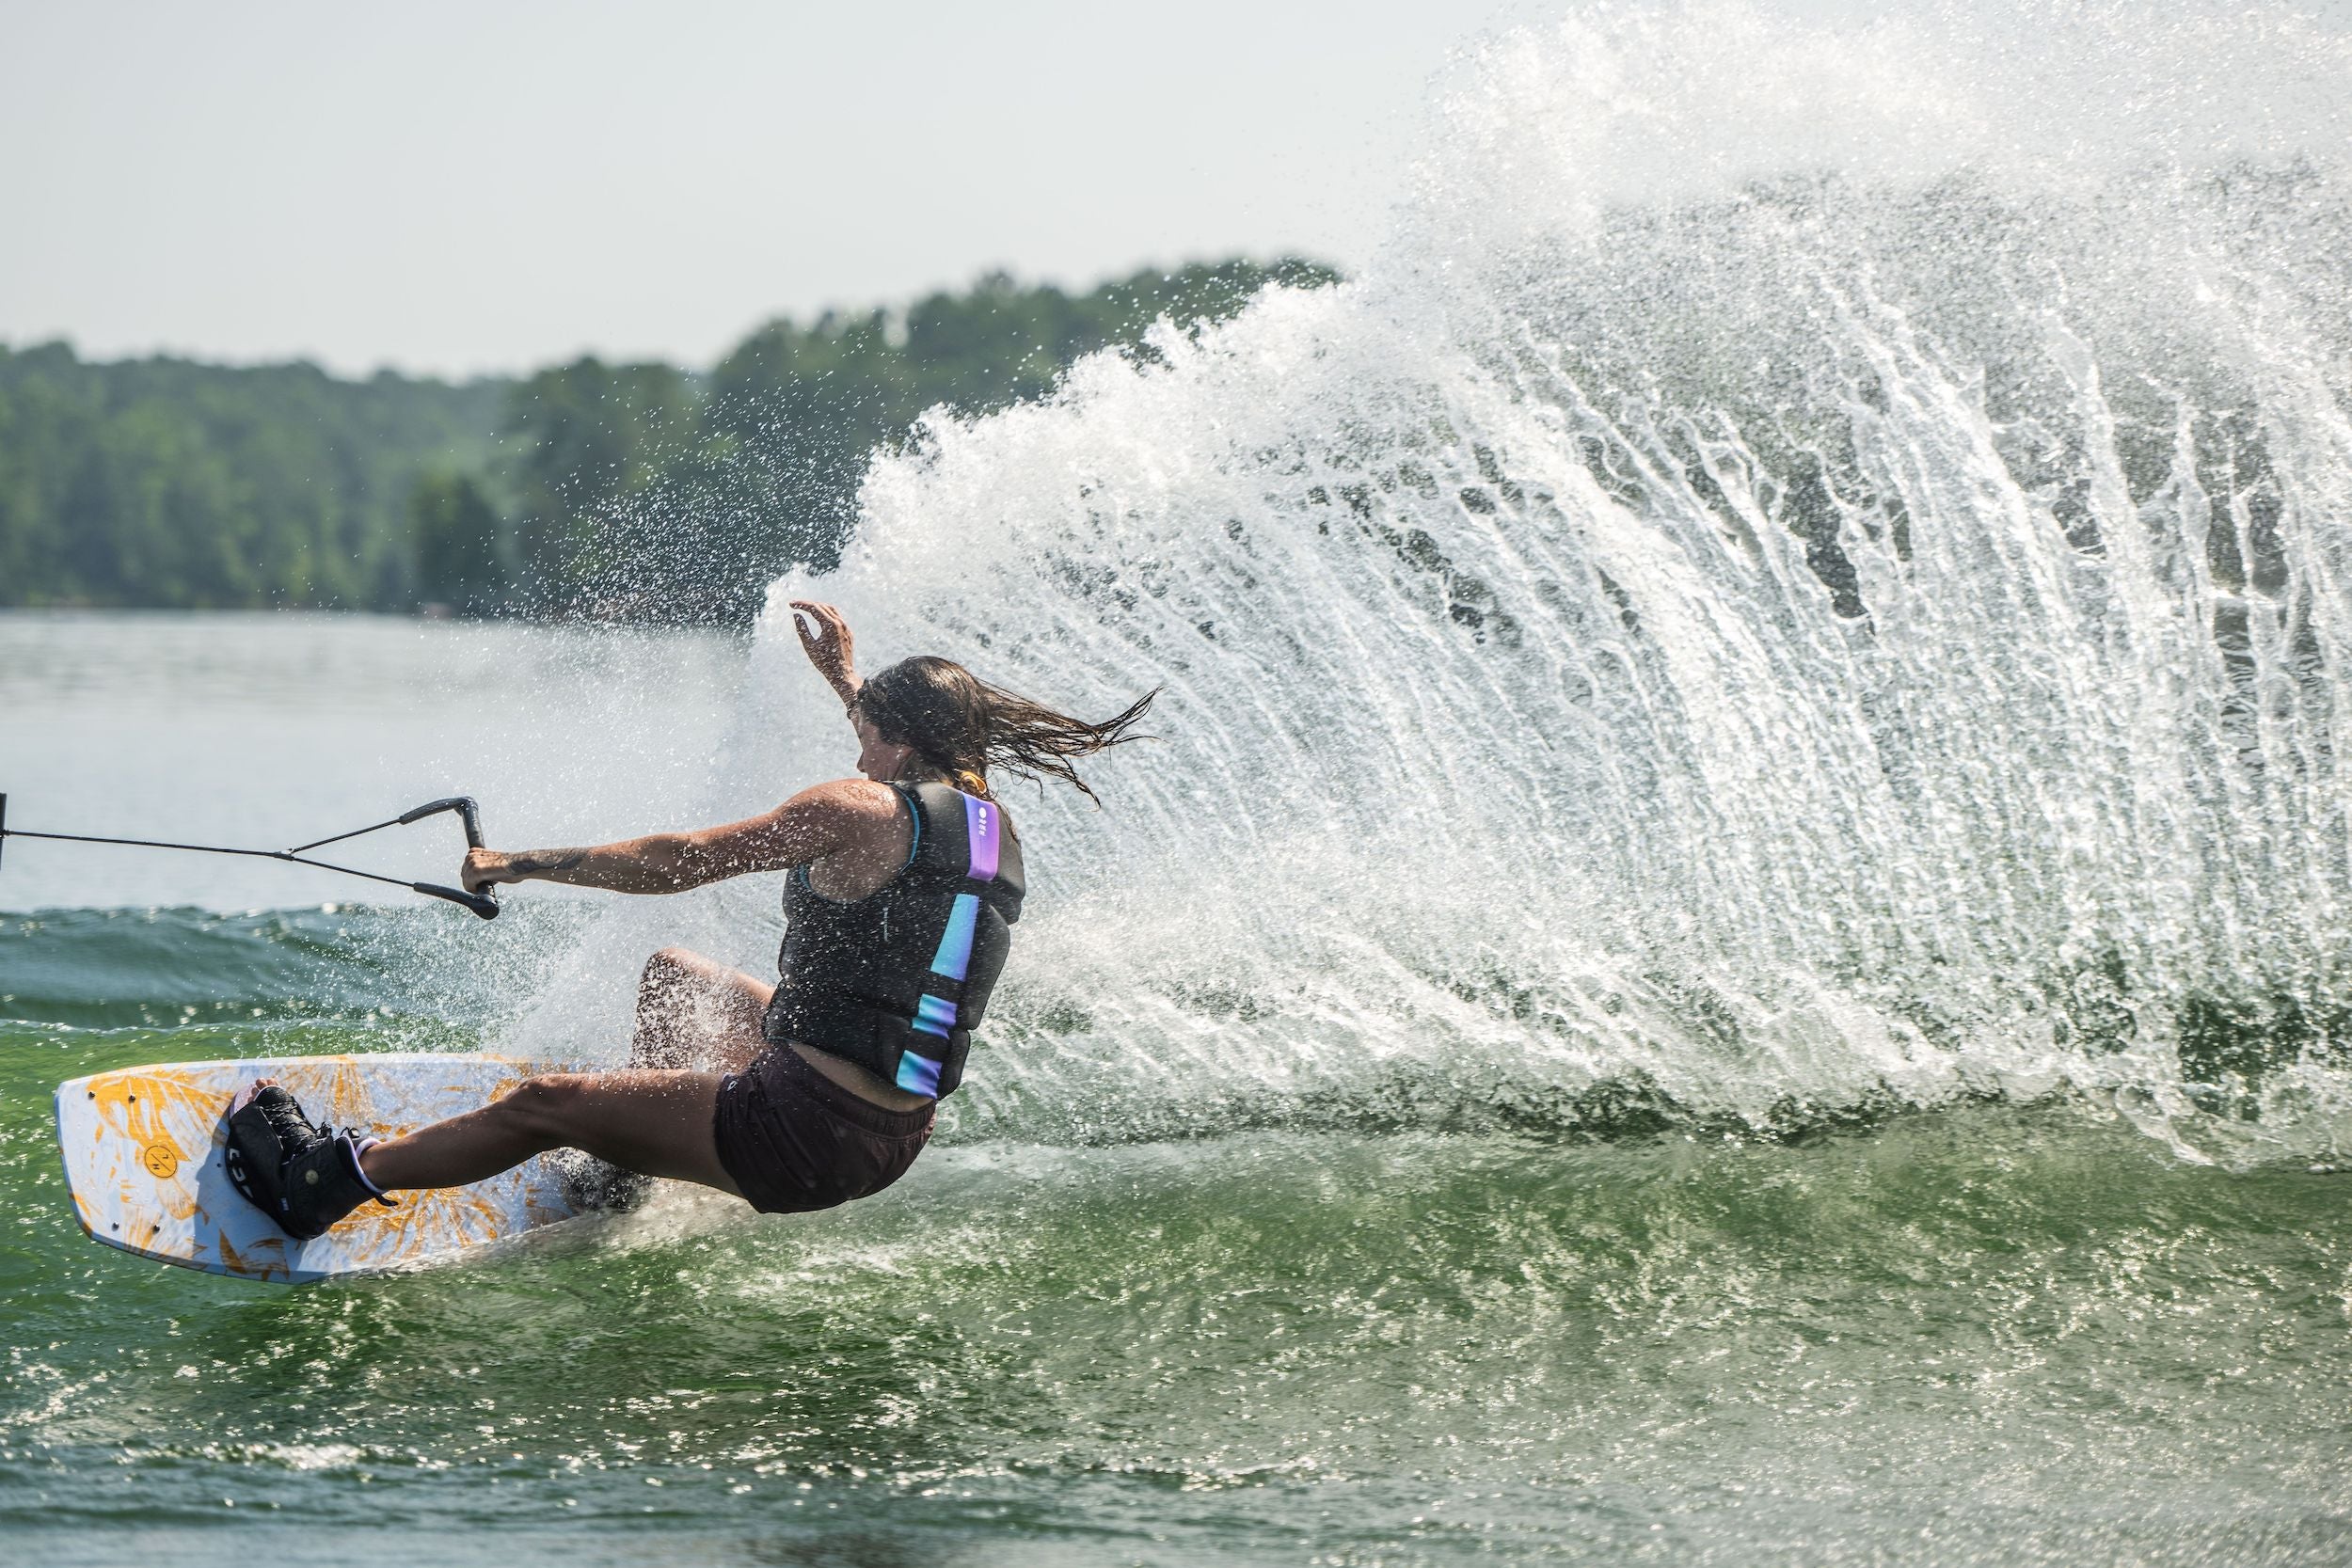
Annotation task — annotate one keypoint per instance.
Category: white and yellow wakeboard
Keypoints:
(143, 1162)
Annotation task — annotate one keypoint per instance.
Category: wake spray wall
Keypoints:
(1808, 577)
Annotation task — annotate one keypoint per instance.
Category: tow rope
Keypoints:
(480, 903)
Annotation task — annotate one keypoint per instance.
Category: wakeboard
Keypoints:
(143, 1150)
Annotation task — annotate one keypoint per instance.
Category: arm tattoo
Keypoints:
(548, 859)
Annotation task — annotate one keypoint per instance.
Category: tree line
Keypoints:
(635, 492)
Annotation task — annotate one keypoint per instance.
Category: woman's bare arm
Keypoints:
(808, 827)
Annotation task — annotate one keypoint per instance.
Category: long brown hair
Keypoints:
(962, 725)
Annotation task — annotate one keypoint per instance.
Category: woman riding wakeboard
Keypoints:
(904, 884)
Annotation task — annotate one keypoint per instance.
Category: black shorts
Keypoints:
(795, 1140)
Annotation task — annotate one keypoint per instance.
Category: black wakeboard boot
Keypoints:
(302, 1177)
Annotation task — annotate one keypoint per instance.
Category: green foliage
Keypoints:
(596, 442)
(630, 492)
(796, 413)
(164, 483)
(466, 555)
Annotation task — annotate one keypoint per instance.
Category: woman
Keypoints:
(904, 884)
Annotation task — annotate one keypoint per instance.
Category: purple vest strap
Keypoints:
(982, 819)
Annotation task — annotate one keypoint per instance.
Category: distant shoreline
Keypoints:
(643, 493)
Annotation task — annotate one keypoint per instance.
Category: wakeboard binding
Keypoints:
(303, 1178)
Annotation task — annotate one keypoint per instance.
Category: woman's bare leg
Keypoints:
(696, 1013)
(653, 1121)
(696, 1020)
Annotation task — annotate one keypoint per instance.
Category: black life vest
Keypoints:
(896, 981)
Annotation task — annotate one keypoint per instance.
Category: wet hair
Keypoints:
(962, 726)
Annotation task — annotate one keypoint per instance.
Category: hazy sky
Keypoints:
(492, 185)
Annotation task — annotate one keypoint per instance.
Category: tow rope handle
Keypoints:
(481, 904)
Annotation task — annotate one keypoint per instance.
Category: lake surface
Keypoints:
(2009, 1333)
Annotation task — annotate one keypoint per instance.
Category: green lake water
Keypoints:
(1996, 1334)
(2006, 1333)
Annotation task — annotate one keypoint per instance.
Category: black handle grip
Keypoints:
(480, 903)
(462, 804)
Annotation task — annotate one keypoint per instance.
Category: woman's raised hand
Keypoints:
(828, 645)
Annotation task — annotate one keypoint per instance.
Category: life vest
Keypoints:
(897, 980)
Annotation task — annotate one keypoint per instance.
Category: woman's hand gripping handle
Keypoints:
(470, 895)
